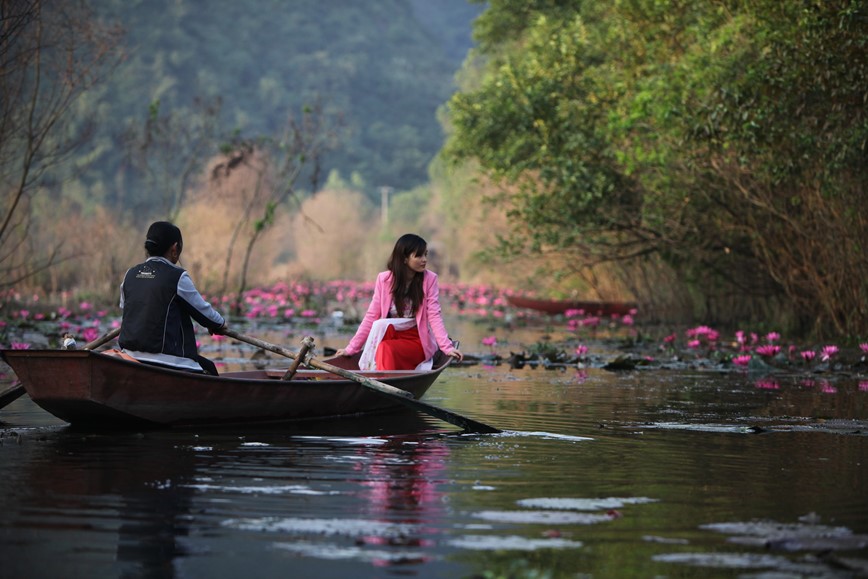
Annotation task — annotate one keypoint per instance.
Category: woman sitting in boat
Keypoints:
(159, 302)
(403, 326)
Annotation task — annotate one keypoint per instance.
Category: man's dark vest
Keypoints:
(155, 317)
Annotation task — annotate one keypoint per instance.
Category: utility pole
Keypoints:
(384, 205)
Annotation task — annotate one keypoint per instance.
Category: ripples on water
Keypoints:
(601, 474)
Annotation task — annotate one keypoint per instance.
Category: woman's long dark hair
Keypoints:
(402, 276)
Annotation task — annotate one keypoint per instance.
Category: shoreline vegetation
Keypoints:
(650, 151)
(585, 340)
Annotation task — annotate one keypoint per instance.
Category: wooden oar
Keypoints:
(396, 394)
(11, 394)
(105, 338)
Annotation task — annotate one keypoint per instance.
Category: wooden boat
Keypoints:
(554, 307)
(94, 390)
(10, 393)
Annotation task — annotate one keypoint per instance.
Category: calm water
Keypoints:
(641, 474)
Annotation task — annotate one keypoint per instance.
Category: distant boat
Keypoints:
(554, 307)
(93, 389)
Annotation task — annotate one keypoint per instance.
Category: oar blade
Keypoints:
(464, 422)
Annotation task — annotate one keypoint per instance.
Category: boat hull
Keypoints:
(555, 307)
(97, 390)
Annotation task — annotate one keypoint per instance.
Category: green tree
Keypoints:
(666, 129)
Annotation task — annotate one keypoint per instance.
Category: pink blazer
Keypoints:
(428, 318)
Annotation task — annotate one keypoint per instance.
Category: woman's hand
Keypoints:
(341, 352)
(457, 355)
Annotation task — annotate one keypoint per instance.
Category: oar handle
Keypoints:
(108, 337)
(306, 346)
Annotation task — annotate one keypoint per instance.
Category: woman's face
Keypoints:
(417, 263)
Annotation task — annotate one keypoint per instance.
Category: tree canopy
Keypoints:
(726, 138)
(383, 67)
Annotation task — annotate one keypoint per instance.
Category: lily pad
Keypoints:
(511, 543)
(574, 504)
(791, 536)
(543, 517)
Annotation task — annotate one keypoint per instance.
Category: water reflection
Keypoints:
(119, 500)
(126, 501)
(682, 452)
(400, 481)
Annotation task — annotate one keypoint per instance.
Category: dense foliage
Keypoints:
(717, 149)
(726, 138)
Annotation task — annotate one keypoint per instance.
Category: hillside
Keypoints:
(384, 67)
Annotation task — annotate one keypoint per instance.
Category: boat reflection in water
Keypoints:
(141, 504)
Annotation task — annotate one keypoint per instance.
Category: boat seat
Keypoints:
(119, 354)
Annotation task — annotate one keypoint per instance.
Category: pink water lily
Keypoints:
(827, 388)
(827, 352)
(581, 350)
(742, 360)
(768, 384)
(698, 331)
(742, 339)
(706, 332)
(489, 341)
(19, 346)
(90, 334)
(808, 355)
(768, 350)
(864, 347)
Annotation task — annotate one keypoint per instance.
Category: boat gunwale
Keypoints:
(266, 375)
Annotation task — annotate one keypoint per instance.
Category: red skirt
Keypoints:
(400, 350)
